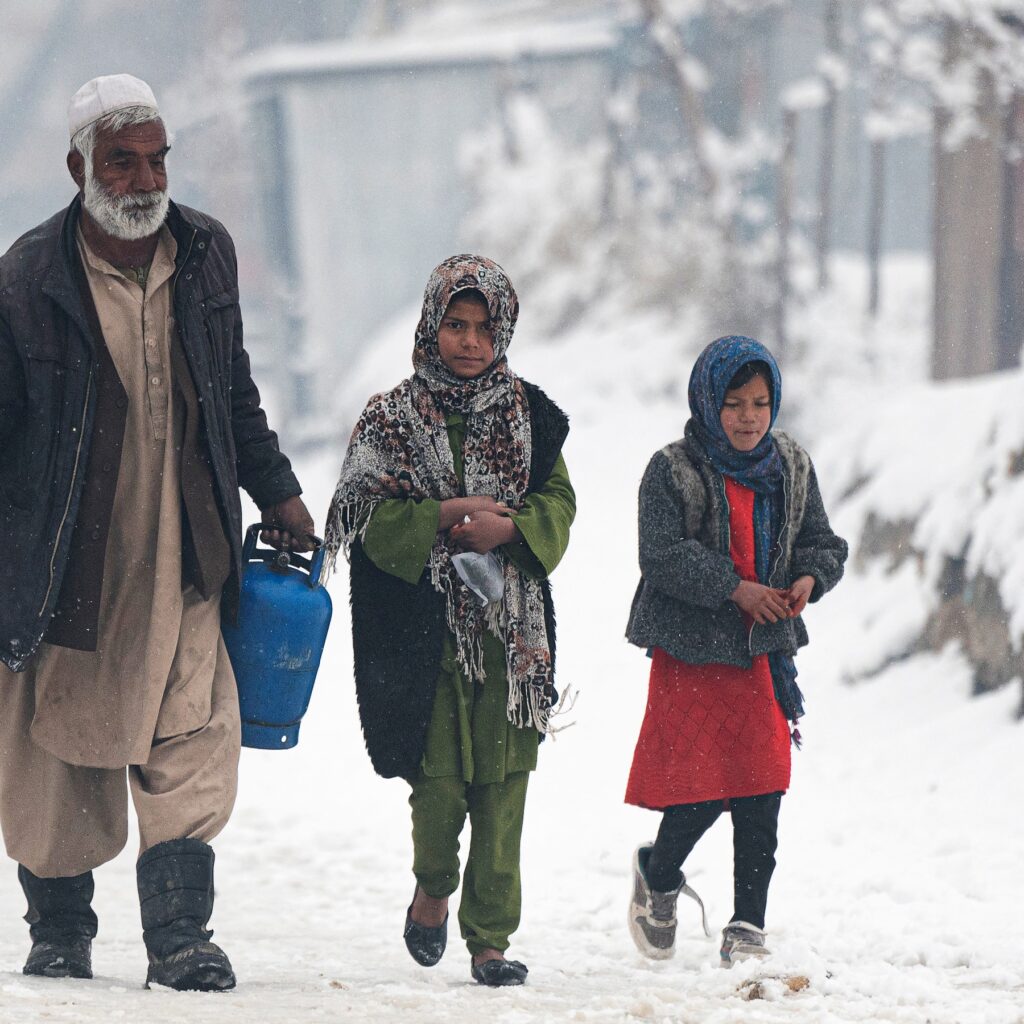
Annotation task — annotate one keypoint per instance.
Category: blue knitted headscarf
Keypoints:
(760, 469)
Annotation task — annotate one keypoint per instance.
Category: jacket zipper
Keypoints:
(727, 531)
(78, 452)
(71, 491)
(785, 528)
(771, 572)
(174, 287)
(727, 528)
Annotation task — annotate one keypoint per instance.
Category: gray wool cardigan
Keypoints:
(682, 604)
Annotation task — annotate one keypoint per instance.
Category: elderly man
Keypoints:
(128, 420)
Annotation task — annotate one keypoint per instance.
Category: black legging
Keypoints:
(755, 824)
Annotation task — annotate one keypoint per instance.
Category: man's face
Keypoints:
(125, 188)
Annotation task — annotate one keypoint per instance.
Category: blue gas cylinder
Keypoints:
(275, 648)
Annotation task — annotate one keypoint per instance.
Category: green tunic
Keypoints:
(469, 733)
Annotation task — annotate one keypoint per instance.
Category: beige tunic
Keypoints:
(158, 694)
(151, 674)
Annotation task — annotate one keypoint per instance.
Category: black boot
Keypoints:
(176, 898)
(62, 924)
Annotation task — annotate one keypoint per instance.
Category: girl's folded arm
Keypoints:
(684, 569)
(818, 551)
(400, 534)
(544, 522)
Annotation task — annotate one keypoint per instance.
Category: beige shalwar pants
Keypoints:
(61, 819)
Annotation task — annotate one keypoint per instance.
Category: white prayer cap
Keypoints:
(104, 95)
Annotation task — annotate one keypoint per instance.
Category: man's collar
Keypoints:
(192, 237)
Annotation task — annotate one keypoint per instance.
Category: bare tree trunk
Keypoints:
(883, 85)
(1011, 322)
(509, 86)
(876, 222)
(784, 220)
(826, 172)
(666, 37)
(622, 96)
(380, 17)
(968, 231)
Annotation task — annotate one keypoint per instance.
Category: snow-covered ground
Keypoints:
(898, 891)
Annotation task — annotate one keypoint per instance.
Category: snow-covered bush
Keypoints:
(575, 222)
(538, 202)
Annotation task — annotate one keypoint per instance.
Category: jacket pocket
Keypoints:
(219, 313)
(45, 350)
(27, 458)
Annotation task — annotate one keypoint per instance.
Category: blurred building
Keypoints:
(357, 142)
(361, 189)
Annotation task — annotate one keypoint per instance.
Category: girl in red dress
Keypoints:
(734, 541)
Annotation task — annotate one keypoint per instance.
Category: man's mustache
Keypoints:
(138, 200)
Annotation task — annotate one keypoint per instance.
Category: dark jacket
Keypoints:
(398, 628)
(682, 603)
(50, 371)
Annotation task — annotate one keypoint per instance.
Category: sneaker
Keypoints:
(62, 958)
(742, 941)
(652, 914)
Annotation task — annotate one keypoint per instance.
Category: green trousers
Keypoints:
(491, 888)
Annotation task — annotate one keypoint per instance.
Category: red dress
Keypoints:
(712, 731)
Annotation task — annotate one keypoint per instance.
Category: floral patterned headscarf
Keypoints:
(459, 274)
(400, 449)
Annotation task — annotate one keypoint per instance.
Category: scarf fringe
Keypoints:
(540, 716)
(376, 460)
(495, 618)
(565, 704)
(346, 523)
(526, 708)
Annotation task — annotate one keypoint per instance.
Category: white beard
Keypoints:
(130, 217)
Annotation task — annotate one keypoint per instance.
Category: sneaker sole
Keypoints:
(739, 957)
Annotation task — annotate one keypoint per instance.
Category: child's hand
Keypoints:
(799, 594)
(763, 604)
(484, 531)
(454, 510)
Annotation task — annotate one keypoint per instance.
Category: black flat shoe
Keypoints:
(66, 958)
(499, 972)
(202, 967)
(426, 945)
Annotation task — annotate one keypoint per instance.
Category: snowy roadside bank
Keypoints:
(932, 493)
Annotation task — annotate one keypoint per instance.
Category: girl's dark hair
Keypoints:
(747, 372)
(470, 293)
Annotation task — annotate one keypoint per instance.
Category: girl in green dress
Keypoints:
(455, 686)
